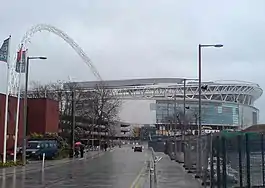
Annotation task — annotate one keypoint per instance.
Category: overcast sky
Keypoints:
(141, 38)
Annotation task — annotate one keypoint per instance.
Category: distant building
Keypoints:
(43, 117)
(225, 104)
(147, 131)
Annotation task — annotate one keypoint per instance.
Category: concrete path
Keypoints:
(171, 174)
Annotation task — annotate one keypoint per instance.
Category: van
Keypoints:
(36, 149)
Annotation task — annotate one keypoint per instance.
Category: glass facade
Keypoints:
(213, 113)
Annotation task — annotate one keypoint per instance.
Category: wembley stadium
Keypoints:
(224, 103)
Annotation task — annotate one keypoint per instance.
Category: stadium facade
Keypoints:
(224, 103)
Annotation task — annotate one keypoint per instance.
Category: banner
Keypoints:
(4, 50)
(21, 64)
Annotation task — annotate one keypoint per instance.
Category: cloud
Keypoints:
(151, 38)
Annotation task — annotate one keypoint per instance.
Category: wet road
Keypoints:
(117, 168)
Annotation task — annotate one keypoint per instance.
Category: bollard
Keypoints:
(155, 180)
(151, 171)
(43, 160)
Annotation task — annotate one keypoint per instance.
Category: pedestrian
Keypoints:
(76, 151)
(82, 148)
(105, 146)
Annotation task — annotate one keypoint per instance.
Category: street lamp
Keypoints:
(200, 91)
(26, 105)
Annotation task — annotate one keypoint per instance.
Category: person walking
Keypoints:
(76, 151)
(82, 148)
(105, 146)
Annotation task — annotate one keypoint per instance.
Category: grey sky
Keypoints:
(142, 38)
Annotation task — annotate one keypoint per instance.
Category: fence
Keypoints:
(158, 146)
(152, 169)
(227, 159)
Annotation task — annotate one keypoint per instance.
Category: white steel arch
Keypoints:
(66, 38)
(46, 27)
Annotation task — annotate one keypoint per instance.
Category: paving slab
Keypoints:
(171, 174)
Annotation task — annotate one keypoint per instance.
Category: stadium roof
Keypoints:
(153, 81)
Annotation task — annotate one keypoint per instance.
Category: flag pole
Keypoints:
(18, 107)
(6, 102)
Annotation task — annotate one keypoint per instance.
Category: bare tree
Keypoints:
(136, 132)
(112, 131)
(96, 108)
(180, 120)
(56, 92)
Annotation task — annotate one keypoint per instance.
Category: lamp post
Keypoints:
(184, 111)
(175, 124)
(26, 106)
(200, 91)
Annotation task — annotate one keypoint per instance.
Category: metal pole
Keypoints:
(73, 125)
(175, 124)
(184, 111)
(25, 112)
(18, 105)
(200, 101)
(8, 74)
(17, 117)
(93, 126)
(183, 135)
(6, 114)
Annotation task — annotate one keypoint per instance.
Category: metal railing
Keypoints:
(152, 168)
(228, 159)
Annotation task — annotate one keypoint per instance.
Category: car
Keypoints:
(138, 148)
(37, 147)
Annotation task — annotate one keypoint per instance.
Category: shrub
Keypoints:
(36, 135)
(10, 164)
(63, 153)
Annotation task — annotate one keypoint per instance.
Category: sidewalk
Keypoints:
(171, 174)
(37, 165)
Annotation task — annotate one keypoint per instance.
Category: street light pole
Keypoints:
(184, 111)
(175, 123)
(26, 108)
(200, 101)
(72, 151)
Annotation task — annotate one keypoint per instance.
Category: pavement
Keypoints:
(36, 165)
(117, 168)
(171, 174)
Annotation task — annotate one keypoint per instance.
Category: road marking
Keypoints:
(158, 159)
(135, 182)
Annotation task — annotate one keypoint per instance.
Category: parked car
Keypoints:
(138, 148)
(36, 149)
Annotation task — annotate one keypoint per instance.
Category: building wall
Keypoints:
(43, 116)
(213, 113)
(11, 122)
(52, 116)
(36, 116)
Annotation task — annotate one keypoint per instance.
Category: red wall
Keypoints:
(52, 116)
(12, 106)
(43, 117)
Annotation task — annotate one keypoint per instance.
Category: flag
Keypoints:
(19, 54)
(4, 50)
(21, 61)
